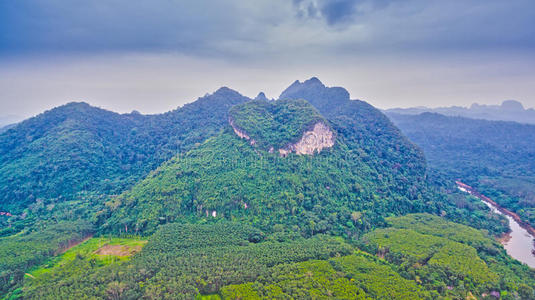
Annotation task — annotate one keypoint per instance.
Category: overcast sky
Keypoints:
(155, 55)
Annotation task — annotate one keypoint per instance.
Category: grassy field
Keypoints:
(105, 250)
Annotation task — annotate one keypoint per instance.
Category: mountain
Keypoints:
(261, 96)
(497, 157)
(509, 110)
(364, 126)
(288, 162)
(325, 99)
(283, 162)
(309, 196)
(77, 149)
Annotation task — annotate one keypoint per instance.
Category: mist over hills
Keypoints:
(465, 146)
(509, 110)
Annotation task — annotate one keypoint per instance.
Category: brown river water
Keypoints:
(519, 242)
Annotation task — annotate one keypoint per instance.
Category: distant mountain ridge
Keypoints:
(509, 110)
(324, 98)
(465, 146)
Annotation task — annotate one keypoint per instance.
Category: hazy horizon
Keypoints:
(19, 117)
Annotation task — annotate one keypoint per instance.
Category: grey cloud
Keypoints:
(123, 25)
(337, 11)
(264, 29)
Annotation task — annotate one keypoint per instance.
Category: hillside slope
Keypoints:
(343, 189)
(78, 148)
(363, 127)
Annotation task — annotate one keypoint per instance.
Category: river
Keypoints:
(519, 242)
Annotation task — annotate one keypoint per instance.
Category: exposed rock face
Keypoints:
(312, 141)
(242, 134)
(320, 137)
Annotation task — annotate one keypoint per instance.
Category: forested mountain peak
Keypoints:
(261, 96)
(279, 125)
(218, 102)
(75, 105)
(225, 92)
(371, 171)
(314, 91)
(82, 111)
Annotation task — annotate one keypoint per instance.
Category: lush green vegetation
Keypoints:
(224, 218)
(335, 191)
(274, 124)
(449, 258)
(182, 261)
(78, 148)
(409, 248)
(357, 276)
(515, 193)
(469, 148)
(229, 260)
(436, 226)
(63, 165)
(372, 172)
(371, 135)
(498, 158)
(100, 250)
(18, 253)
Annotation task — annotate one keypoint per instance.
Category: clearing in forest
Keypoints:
(105, 250)
(119, 250)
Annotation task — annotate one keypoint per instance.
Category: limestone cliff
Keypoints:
(312, 141)
(242, 134)
(320, 137)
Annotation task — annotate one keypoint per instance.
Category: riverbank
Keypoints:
(518, 242)
(503, 210)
